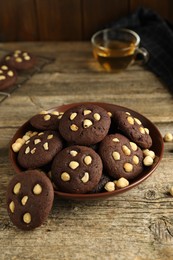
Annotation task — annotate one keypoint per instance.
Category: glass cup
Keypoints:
(116, 49)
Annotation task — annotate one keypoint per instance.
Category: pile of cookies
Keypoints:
(11, 64)
(86, 149)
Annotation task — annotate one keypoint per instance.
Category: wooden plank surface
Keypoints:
(59, 20)
(18, 20)
(136, 225)
(164, 8)
(99, 13)
(30, 20)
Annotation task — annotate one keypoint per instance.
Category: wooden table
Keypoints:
(135, 225)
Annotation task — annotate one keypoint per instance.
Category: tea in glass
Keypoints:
(115, 49)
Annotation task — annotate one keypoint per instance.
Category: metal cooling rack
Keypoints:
(24, 76)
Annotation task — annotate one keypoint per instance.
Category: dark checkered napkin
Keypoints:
(157, 37)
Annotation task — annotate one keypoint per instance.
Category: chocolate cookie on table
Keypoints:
(133, 128)
(39, 150)
(20, 60)
(84, 124)
(76, 169)
(46, 120)
(8, 77)
(121, 157)
(29, 199)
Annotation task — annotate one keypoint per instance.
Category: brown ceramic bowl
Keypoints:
(157, 147)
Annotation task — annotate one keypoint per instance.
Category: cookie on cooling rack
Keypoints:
(8, 77)
(20, 60)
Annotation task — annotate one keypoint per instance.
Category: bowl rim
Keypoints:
(101, 195)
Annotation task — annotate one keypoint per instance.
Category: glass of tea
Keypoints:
(116, 49)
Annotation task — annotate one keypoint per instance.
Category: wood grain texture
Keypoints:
(18, 20)
(136, 225)
(99, 13)
(59, 20)
(30, 20)
(164, 8)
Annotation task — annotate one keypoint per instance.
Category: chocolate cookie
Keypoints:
(132, 127)
(121, 158)
(39, 150)
(76, 169)
(29, 199)
(8, 77)
(84, 124)
(46, 120)
(20, 60)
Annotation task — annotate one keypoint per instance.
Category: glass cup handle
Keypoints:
(142, 56)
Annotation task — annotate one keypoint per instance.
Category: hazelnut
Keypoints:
(133, 146)
(24, 200)
(128, 167)
(17, 188)
(87, 123)
(73, 153)
(74, 127)
(86, 112)
(116, 155)
(168, 137)
(110, 186)
(10, 73)
(85, 178)
(12, 206)
(135, 159)
(148, 161)
(47, 117)
(49, 137)
(147, 152)
(27, 218)
(65, 176)
(16, 147)
(88, 160)
(37, 141)
(73, 165)
(46, 146)
(97, 116)
(130, 120)
(122, 182)
(126, 150)
(137, 121)
(73, 115)
(37, 189)
(116, 140)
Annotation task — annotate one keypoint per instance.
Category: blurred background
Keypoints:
(52, 20)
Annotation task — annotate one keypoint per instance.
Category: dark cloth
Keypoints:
(157, 37)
